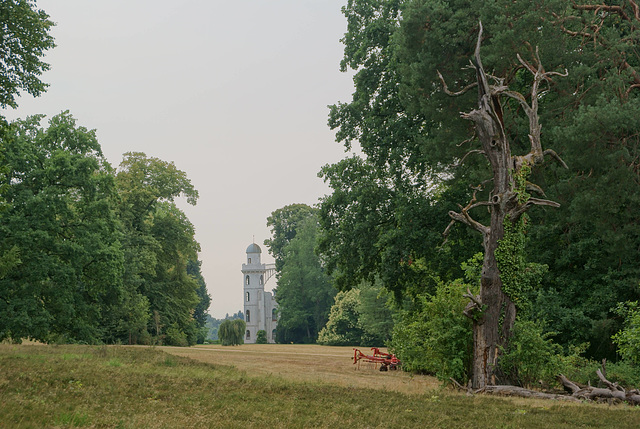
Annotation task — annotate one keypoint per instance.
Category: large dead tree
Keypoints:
(492, 311)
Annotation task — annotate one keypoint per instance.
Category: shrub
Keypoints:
(261, 337)
(435, 337)
(231, 332)
(342, 328)
(175, 337)
(628, 339)
(531, 356)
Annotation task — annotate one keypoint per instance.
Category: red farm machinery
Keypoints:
(387, 361)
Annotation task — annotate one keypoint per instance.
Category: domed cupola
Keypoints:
(253, 254)
(254, 248)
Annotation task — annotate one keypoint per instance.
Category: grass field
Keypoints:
(252, 386)
(308, 363)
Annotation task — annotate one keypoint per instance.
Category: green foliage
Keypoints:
(519, 277)
(25, 39)
(628, 338)
(304, 293)
(170, 391)
(212, 325)
(375, 228)
(343, 327)
(231, 332)
(408, 128)
(60, 228)
(174, 336)
(359, 317)
(261, 337)
(376, 311)
(284, 224)
(531, 355)
(434, 336)
(200, 311)
(83, 262)
(159, 243)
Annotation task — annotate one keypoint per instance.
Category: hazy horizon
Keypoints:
(235, 93)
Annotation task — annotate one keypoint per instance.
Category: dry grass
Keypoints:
(301, 387)
(308, 363)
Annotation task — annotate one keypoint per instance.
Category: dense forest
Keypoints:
(407, 207)
(490, 206)
(89, 253)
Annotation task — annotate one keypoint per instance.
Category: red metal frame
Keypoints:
(386, 360)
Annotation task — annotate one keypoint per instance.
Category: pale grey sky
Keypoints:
(234, 92)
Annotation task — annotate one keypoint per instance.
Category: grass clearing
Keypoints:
(141, 387)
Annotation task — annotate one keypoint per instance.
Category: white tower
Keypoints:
(260, 307)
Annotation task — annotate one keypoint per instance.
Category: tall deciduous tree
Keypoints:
(60, 220)
(158, 243)
(25, 39)
(304, 293)
(493, 311)
(200, 312)
(408, 127)
(284, 224)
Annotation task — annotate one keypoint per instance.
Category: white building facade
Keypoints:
(260, 307)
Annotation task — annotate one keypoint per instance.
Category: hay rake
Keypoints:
(387, 361)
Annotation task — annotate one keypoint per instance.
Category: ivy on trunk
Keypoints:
(493, 311)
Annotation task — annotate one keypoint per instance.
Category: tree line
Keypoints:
(560, 77)
(88, 253)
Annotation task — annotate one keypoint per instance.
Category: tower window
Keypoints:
(247, 280)
(248, 334)
(261, 279)
(248, 297)
(274, 315)
(249, 260)
(248, 316)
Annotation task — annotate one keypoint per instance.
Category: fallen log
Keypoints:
(612, 391)
(526, 393)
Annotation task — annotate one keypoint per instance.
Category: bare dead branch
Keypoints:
(447, 230)
(472, 297)
(532, 187)
(470, 139)
(458, 385)
(610, 385)
(555, 156)
(520, 99)
(505, 390)
(465, 218)
(469, 153)
(458, 93)
(569, 384)
(522, 208)
(469, 221)
(480, 204)
(540, 202)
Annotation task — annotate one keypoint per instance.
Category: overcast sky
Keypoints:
(234, 92)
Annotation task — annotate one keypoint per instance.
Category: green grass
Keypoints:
(120, 387)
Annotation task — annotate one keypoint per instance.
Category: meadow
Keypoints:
(278, 386)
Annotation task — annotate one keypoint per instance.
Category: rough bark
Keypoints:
(493, 312)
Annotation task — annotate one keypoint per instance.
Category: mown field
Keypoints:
(252, 386)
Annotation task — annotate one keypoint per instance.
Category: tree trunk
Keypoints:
(493, 312)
